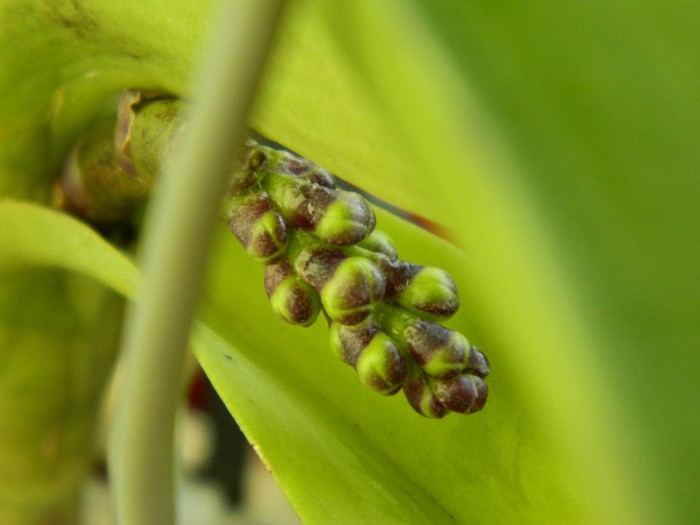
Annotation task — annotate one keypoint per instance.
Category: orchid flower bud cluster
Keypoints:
(322, 253)
(319, 247)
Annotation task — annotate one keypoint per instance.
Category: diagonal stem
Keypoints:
(176, 239)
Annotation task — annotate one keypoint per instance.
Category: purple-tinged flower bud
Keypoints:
(321, 177)
(477, 363)
(247, 175)
(336, 217)
(259, 228)
(290, 297)
(440, 352)
(317, 265)
(346, 221)
(300, 202)
(427, 291)
(355, 286)
(421, 398)
(381, 366)
(348, 341)
(289, 163)
(464, 394)
(286, 162)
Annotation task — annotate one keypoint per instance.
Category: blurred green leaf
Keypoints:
(599, 103)
(561, 143)
(345, 454)
(458, 169)
(35, 236)
(58, 334)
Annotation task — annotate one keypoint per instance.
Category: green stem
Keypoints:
(176, 239)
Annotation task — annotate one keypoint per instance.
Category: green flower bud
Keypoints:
(355, 286)
(464, 394)
(348, 220)
(381, 366)
(421, 398)
(427, 291)
(259, 228)
(380, 242)
(290, 297)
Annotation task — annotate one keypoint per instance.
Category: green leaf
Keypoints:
(34, 236)
(561, 145)
(601, 109)
(345, 454)
(58, 334)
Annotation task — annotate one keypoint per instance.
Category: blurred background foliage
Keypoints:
(598, 101)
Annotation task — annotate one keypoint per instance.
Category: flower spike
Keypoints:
(320, 250)
(383, 312)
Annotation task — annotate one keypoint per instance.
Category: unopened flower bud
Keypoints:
(300, 202)
(247, 174)
(348, 220)
(289, 163)
(421, 398)
(290, 297)
(477, 363)
(464, 394)
(430, 291)
(286, 162)
(353, 289)
(348, 341)
(380, 242)
(259, 228)
(336, 217)
(321, 177)
(317, 265)
(440, 352)
(381, 366)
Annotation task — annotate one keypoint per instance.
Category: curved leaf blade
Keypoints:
(458, 171)
(341, 452)
(36, 236)
(58, 333)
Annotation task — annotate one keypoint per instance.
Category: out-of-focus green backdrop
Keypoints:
(599, 102)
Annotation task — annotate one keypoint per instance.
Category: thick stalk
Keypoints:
(176, 239)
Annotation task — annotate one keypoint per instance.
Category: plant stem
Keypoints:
(176, 239)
